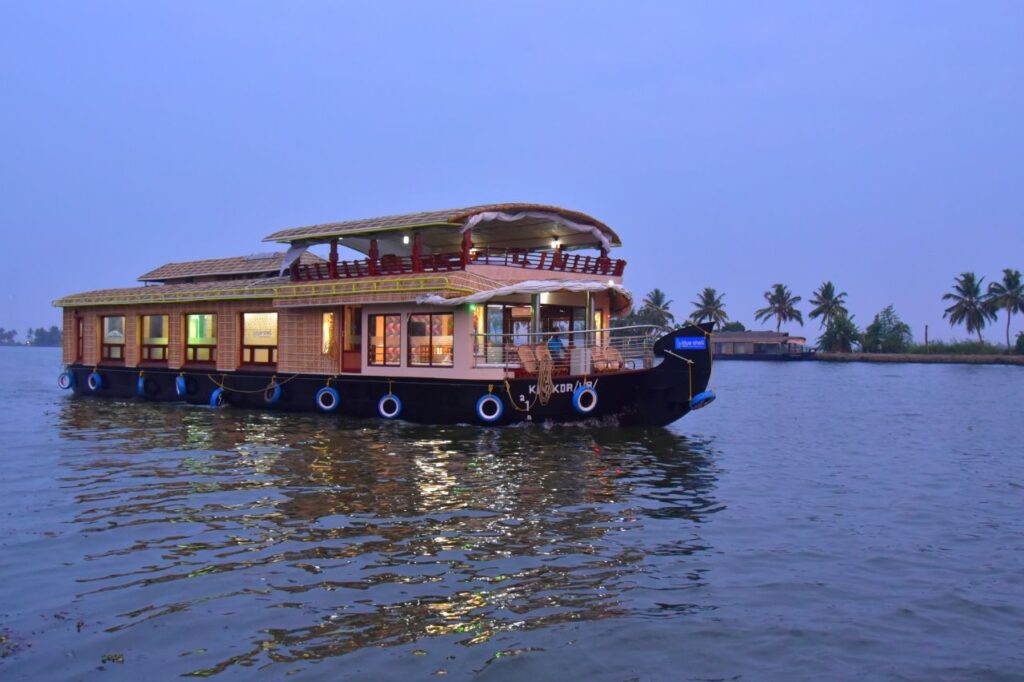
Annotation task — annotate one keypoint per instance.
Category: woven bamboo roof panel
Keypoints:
(453, 217)
(286, 293)
(255, 265)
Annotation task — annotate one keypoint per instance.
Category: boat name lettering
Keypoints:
(691, 343)
(564, 387)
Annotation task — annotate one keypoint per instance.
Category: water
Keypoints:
(817, 522)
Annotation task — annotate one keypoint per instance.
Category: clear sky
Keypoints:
(732, 145)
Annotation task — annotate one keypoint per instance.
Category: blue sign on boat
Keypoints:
(691, 343)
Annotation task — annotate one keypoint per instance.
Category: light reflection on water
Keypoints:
(825, 522)
(363, 534)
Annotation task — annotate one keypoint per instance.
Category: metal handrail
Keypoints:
(580, 351)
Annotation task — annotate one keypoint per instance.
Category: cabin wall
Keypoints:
(300, 338)
(228, 330)
(462, 345)
(68, 340)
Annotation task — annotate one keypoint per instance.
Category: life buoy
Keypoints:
(66, 380)
(327, 399)
(489, 408)
(217, 397)
(272, 394)
(389, 406)
(181, 386)
(95, 381)
(702, 399)
(584, 399)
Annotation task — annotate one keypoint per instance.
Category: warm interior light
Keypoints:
(611, 282)
(554, 243)
(405, 239)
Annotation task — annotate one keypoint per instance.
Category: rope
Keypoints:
(273, 382)
(512, 401)
(545, 386)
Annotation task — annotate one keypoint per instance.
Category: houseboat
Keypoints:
(491, 314)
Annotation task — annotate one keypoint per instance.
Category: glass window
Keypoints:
(154, 338)
(385, 340)
(327, 343)
(113, 338)
(430, 339)
(259, 338)
(202, 330)
(113, 329)
(201, 339)
(259, 329)
(154, 329)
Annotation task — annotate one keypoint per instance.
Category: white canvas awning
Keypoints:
(534, 286)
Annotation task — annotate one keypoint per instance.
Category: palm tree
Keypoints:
(781, 306)
(827, 304)
(709, 307)
(1007, 295)
(970, 305)
(656, 306)
(840, 335)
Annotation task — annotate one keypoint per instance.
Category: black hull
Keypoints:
(656, 396)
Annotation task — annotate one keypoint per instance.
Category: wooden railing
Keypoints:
(447, 262)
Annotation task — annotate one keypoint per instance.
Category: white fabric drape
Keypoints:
(543, 215)
(532, 286)
(295, 252)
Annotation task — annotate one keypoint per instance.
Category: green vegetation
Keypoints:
(956, 348)
(1007, 296)
(887, 333)
(781, 306)
(1019, 348)
(656, 308)
(733, 327)
(970, 306)
(709, 308)
(36, 337)
(44, 337)
(841, 335)
(828, 305)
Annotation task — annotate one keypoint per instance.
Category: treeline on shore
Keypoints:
(971, 304)
(34, 337)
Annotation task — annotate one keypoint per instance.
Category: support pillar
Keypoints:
(467, 245)
(374, 255)
(417, 253)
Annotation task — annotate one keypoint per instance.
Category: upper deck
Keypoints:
(530, 237)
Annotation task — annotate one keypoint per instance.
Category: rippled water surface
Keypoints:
(816, 522)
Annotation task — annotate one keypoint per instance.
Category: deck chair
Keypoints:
(527, 359)
(613, 357)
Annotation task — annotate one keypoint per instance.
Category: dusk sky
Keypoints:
(732, 145)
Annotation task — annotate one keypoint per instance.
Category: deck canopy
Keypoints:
(620, 297)
(238, 267)
(498, 226)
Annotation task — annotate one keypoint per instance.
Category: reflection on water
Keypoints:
(257, 538)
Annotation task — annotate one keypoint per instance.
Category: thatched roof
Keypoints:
(441, 230)
(239, 266)
(285, 293)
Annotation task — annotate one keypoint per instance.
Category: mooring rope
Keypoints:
(273, 382)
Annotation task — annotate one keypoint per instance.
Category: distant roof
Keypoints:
(758, 337)
(256, 264)
(535, 226)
